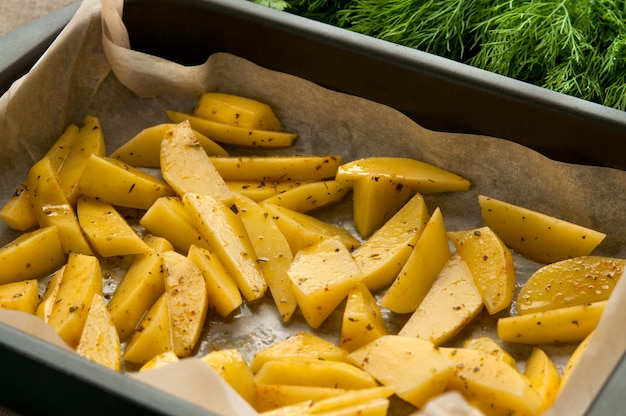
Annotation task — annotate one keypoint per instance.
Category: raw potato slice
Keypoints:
(229, 239)
(160, 360)
(382, 256)
(374, 407)
(168, 218)
(125, 186)
(488, 345)
(483, 377)
(375, 200)
(301, 345)
(362, 320)
(186, 167)
(44, 308)
(420, 176)
(544, 377)
(538, 236)
(261, 190)
(568, 324)
(43, 244)
(573, 361)
(106, 230)
(491, 264)
(222, 291)
(237, 136)
(99, 341)
(391, 358)
(18, 213)
(232, 367)
(144, 149)
(52, 207)
(570, 282)
(310, 196)
(429, 256)
(81, 280)
(277, 168)
(318, 373)
(237, 111)
(274, 396)
(142, 284)
(153, 334)
(273, 252)
(20, 296)
(322, 276)
(303, 230)
(90, 141)
(369, 401)
(187, 299)
(451, 304)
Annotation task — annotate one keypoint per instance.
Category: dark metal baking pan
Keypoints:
(435, 92)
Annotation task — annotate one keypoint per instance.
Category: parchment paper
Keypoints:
(90, 69)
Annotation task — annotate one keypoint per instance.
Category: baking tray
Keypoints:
(435, 92)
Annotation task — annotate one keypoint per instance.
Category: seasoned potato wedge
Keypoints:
(277, 168)
(362, 320)
(488, 345)
(538, 236)
(231, 365)
(99, 341)
(152, 336)
(237, 111)
(310, 196)
(261, 190)
(544, 377)
(274, 396)
(46, 303)
(20, 296)
(160, 360)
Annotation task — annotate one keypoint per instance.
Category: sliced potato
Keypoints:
(144, 149)
(367, 402)
(429, 256)
(322, 276)
(574, 360)
(538, 236)
(488, 345)
(491, 264)
(186, 167)
(451, 304)
(569, 324)
(260, 190)
(310, 196)
(544, 377)
(238, 136)
(231, 365)
(43, 244)
(20, 296)
(390, 358)
(274, 396)
(570, 282)
(362, 320)
(382, 256)
(160, 360)
(152, 336)
(237, 111)
(277, 168)
(99, 341)
(46, 303)
(125, 186)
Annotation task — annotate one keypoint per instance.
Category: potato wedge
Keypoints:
(160, 360)
(222, 291)
(481, 376)
(81, 280)
(362, 320)
(544, 377)
(99, 341)
(303, 345)
(125, 186)
(390, 358)
(228, 238)
(277, 168)
(573, 361)
(491, 264)
(309, 196)
(322, 276)
(370, 401)
(16, 256)
(429, 256)
(420, 176)
(304, 230)
(375, 200)
(106, 230)
(20, 296)
(52, 207)
(237, 111)
(272, 250)
(569, 324)
(274, 396)
(237, 136)
(186, 167)
(144, 149)
(141, 286)
(451, 304)
(168, 218)
(538, 236)
(46, 303)
(488, 345)
(570, 282)
(187, 299)
(261, 190)
(152, 336)
(382, 256)
(318, 373)
(231, 365)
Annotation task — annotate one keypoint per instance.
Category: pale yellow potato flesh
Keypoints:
(46, 303)
(488, 345)
(362, 320)
(538, 236)
(152, 336)
(309, 196)
(274, 396)
(231, 365)
(261, 190)
(570, 282)
(544, 377)
(277, 168)
(99, 341)
(160, 360)
(414, 281)
(573, 361)
(237, 111)
(20, 296)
